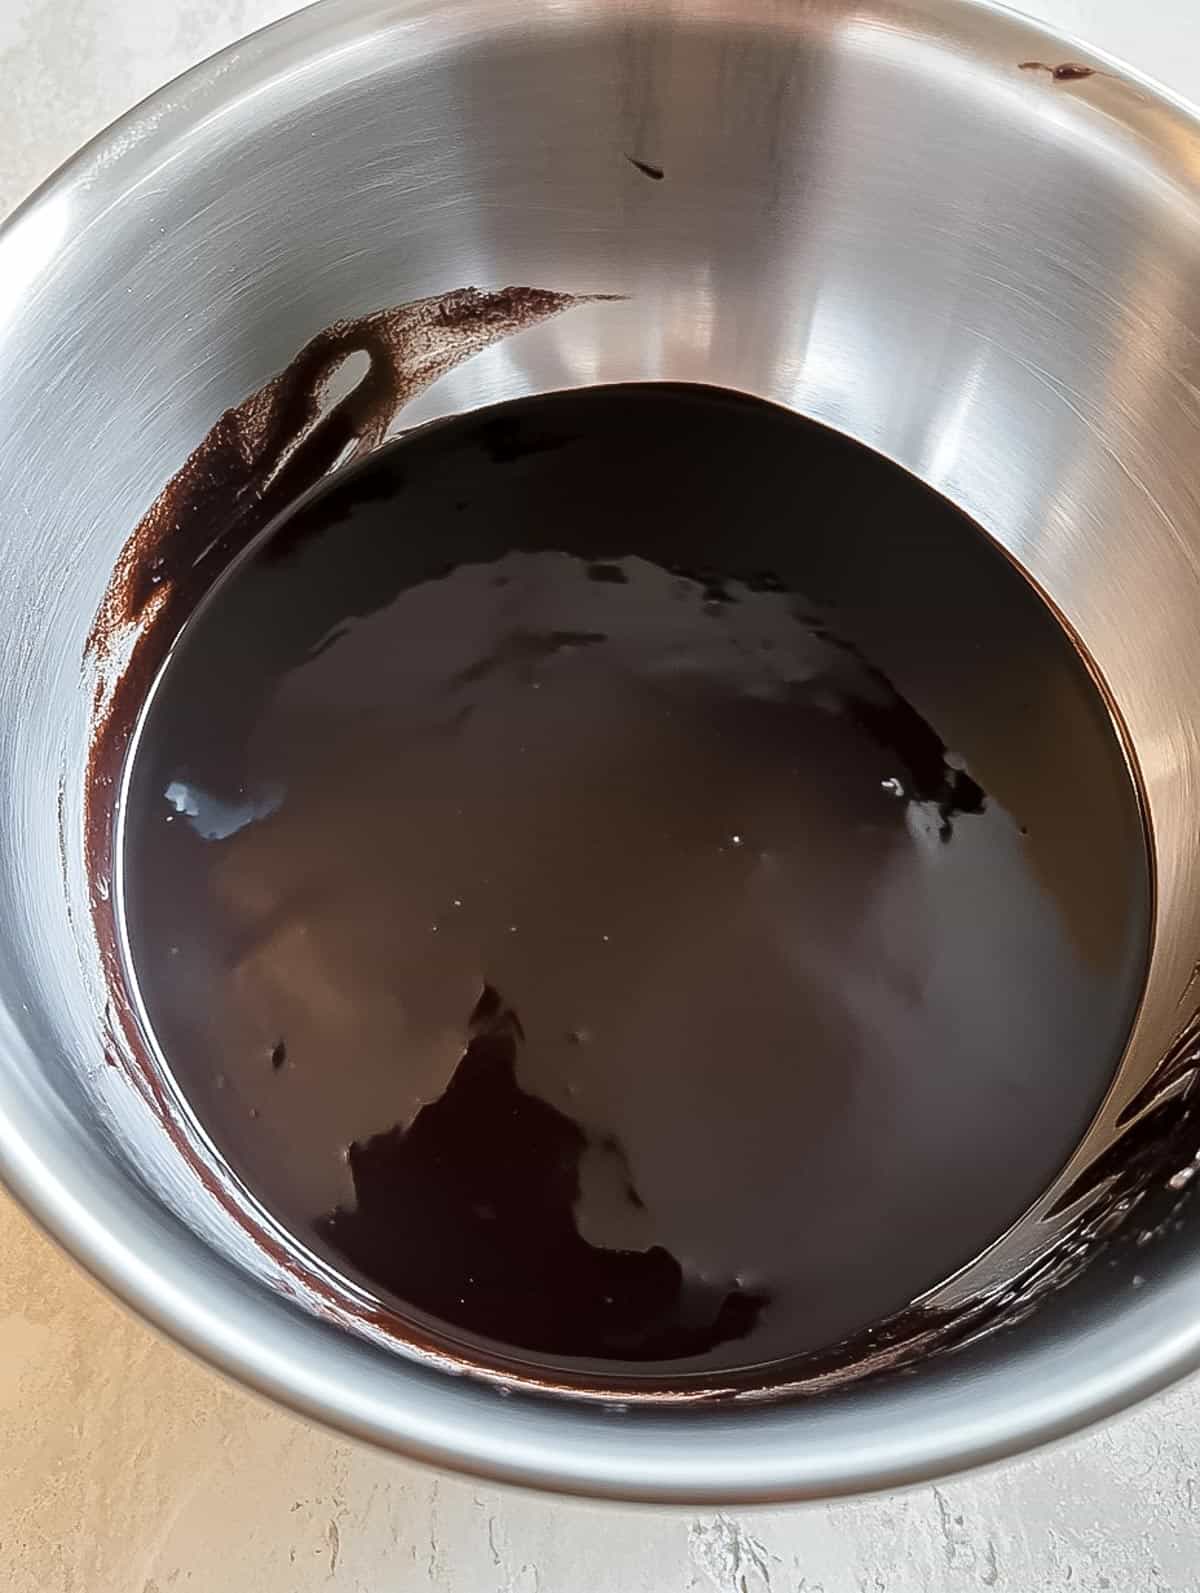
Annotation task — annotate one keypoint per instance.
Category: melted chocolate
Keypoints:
(547, 877)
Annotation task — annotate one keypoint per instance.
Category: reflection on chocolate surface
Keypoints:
(505, 1257)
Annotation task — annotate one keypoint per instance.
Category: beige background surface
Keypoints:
(127, 1468)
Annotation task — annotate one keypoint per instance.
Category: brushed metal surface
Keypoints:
(870, 213)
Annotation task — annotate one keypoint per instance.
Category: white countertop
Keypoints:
(125, 1467)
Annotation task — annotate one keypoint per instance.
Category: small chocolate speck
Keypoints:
(1066, 72)
(278, 1055)
(655, 173)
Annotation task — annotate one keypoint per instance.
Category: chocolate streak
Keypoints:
(1065, 72)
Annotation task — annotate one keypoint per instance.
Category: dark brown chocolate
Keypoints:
(548, 876)
(655, 173)
(1065, 72)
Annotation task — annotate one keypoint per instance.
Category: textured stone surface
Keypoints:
(127, 1468)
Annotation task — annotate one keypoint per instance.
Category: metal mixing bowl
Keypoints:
(892, 215)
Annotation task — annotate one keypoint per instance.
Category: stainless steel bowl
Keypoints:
(893, 215)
